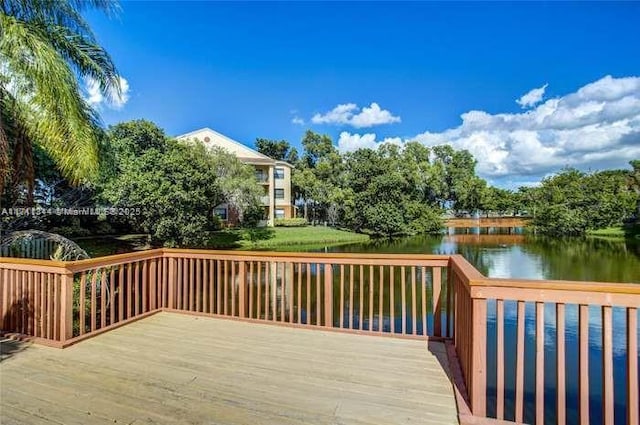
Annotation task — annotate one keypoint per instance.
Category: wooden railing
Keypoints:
(365, 293)
(508, 306)
(411, 296)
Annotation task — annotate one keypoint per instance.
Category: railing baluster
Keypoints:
(136, 287)
(308, 318)
(219, 285)
(291, 292)
(259, 296)
(251, 283)
(130, 291)
(153, 266)
(283, 283)
(328, 295)
(299, 293)
(381, 300)
(121, 292)
(561, 405)
(179, 284)
(500, 359)
(341, 296)
(318, 297)
(165, 282)
(5, 297)
(539, 363)
(632, 366)
(437, 304)
(583, 355)
(413, 302)
(520, 364)
(192, 285)
(351, 310)
(479, 357)
(361, 297)
(242, 289)
(226, 287)
(199, 289)
(370, 327)
(43, 307)
(82, 296)
(94, 277)
(403, 291)
(51, 321)
(212, 286)
(392, 305)
(57, 289)
(29, 310)
(103, 297)
(607, 365)
(112, 295)
(423, 278)
(145, 285)
(450, 304)
(267, 289)
(233, 286)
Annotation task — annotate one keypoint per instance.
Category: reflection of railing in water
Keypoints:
(497, 328)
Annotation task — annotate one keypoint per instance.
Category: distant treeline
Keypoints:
(403, 190)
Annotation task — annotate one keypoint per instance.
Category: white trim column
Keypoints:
(272, 196)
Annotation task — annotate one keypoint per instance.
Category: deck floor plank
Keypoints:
(179, 369)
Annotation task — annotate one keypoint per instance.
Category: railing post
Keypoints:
(479, 358)
(171, 283)
(242, 288)
(66, 306)
(328, 295)
(153, 279)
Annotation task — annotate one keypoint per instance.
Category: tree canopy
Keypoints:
(46, 48)
(168, 188)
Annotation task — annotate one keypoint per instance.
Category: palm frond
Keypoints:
(54, 112)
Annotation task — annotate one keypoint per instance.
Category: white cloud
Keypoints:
(351, 114)
(348, 142)
(297, 120)
(596, 127)
(533, 97)
(113, 100)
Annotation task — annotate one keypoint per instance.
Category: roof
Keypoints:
(243, 151)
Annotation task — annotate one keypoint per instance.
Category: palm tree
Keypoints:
(46, 50)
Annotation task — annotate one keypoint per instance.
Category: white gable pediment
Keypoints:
(212, 138)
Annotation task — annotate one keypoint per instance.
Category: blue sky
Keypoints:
(260, 69)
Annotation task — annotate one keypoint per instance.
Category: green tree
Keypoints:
(174, 185)
(280, 150)
(173, 192)
(572, 202)
(634, 183)
(238, 185)
(45, 46)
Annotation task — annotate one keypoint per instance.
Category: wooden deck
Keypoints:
(180, 369)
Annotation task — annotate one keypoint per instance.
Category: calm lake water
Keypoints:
(509, 252)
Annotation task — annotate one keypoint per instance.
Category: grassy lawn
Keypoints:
(616, 232)
(277, 237)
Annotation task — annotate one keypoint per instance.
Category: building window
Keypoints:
(279, 193)
(221, 213)
(278, 173)
(279, 213)
(260, 176)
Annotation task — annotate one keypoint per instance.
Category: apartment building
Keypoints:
(273, 175)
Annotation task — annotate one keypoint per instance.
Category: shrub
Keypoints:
(290, 222)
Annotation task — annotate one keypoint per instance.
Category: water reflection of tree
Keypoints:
(565, 258)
